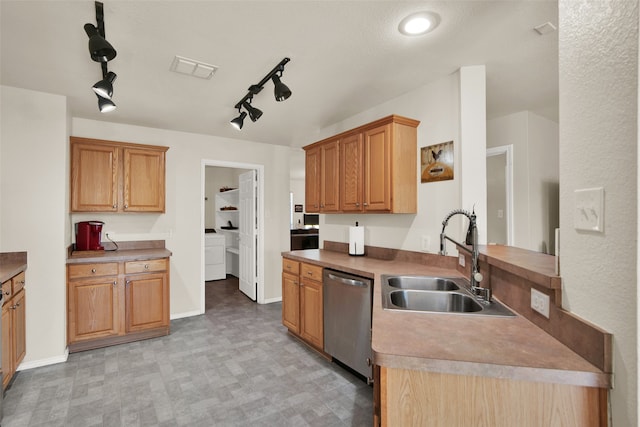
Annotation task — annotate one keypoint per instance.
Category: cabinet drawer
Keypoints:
(6, 291)
(310, 271)
(18, 282)
(132, 267)
(290, 266)
(92, 270)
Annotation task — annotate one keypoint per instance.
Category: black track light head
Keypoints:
(239, 121)
(280, 90)
(105, 105)
(104, 87)
(254, 113)
(99, 48)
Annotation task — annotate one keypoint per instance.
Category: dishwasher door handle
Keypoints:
(346, 281)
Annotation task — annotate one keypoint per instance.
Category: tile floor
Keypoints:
(233, 366)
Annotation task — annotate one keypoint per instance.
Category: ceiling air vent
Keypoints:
(192, 67)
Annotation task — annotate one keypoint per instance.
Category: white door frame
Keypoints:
(508, 151)
(260, 218)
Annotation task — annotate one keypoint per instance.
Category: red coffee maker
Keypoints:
(88, 236)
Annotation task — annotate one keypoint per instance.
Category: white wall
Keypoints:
(34, 185)
(535, 175)
(180, 226)
(598, 48)
(437, 106)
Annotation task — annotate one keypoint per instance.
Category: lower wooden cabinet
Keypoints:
(14, 345)
(291, 295)
(116, 302)
(302, 308)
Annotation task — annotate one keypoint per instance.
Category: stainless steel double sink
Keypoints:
(435, 295)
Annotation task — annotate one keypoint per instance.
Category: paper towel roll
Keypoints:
(356, 240)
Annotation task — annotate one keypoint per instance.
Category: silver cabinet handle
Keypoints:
(93, 270)
(146, 266)
(115, 206)
(114, 283)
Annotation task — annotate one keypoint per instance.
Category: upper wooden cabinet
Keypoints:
(322, 191)
(377, 169)
(108, 176)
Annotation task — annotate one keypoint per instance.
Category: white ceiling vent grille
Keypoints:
(192, 67)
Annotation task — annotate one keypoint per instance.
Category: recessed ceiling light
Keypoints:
(419, 23)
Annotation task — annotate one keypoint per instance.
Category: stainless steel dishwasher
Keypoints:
(347, 319)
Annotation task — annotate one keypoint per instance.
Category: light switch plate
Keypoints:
(461, 260)
(589, 209)
(426, 243)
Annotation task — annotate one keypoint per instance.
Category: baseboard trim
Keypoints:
(44, 362)
(272, 300)
(185, 314)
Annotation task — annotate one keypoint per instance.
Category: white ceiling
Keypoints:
(346, 57)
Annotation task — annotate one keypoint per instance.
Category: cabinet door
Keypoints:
(7, 345)
(144, 180)
(19, 328)
(93, 309)
(311, 316)
(329, 177)
(351, 173)
(377, 170)
(312, 180)
(94, 178)
(147, 302)
(291, 302)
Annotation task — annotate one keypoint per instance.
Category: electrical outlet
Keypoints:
(540, 302)
(461, 260)
(426, 243)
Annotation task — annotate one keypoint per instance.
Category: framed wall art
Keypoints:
(436, 162)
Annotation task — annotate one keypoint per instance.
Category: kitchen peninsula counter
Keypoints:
(463, 344)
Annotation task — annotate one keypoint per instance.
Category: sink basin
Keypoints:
(433, 294)
(425, 283)
(441, 302)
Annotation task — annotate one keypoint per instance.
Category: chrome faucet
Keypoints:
(471, 239)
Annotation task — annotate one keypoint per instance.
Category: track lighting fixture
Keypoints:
(239, 121)
(254, 113)
(101, 51)
(99, 48)
(105, 105)
(104, 87)
(280, 91)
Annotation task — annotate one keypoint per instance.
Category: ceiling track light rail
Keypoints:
(280, 91)
(101, 51)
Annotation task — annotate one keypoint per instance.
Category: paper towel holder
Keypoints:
(356, 241)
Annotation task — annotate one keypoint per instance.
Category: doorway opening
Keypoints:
(500, 195)
(244, 246)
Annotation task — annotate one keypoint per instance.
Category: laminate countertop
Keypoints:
(126, 251)
(464, 344)
(12, 263)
